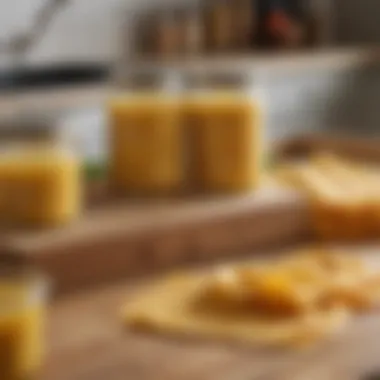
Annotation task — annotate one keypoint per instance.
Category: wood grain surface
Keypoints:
(88, 342)
(132, 238)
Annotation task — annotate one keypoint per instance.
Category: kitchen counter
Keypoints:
(88, 342)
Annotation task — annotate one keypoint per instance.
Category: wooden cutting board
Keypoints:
(88, 342)
(118, 239)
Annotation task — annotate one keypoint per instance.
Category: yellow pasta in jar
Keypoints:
(226, 131)
(40, 185)
(146, 152)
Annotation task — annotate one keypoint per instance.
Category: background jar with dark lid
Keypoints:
(144, 41)
(218, 20)
(319, 14)
(244, 19)
(165, 37)
(190, 29)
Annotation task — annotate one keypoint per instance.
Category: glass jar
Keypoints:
(218, 20)
(166, 36)
(145, 134)
(40, 181)
(244, 23)
(319, 16)
(225, 128)
(23, 305)
(190, 31)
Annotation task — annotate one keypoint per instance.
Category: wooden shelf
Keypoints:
(71, 97)
(331, 58)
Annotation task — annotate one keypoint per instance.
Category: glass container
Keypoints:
(23, 309)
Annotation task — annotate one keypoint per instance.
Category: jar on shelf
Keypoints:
(190, 30)
(218, 21)
(244, 24)
(319, 15)
(146, 153)
(144, 44)
(165, 34)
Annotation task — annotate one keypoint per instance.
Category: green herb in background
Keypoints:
(269, 162)
(95, 171)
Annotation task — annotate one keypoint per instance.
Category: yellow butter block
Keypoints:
(226, 130)
(341, 198)
(146, 151)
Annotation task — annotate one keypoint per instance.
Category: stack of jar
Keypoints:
(204, 142)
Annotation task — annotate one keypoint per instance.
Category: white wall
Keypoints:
(85, 30)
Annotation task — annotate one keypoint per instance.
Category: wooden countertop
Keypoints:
(87, 342)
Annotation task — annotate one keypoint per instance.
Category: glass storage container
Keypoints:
(23, 306)
(145, 133)
(225, 128)
(40, 179)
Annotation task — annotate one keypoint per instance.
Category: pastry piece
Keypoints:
(344, 196)
(272, 293)
(289, 287)
(172, 307)
(346, 282)
(328, 203)
(304, 297)
(339, 202)
(357, 211)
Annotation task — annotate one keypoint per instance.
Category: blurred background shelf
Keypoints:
(328, 58)
(95, 90)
